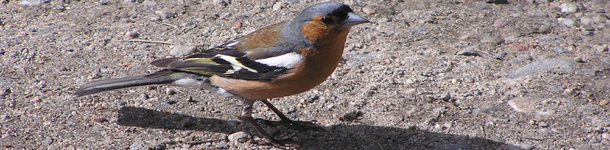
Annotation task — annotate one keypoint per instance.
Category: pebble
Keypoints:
(132, 34)
(166, 14)
(544, 29)
(419, 30)
(519, 46)
(182, 50)
(277, 6)
(239, 137)
(33, 2)
(500, 55)
(35, 99)
(170, 91)
(568, 8)
(489, 109)
(158, 147)
(102, 2)
(566, 21)
(222, 145)
(550, 65)
(522, 104)
(500, 23)
(137, 145)
(604, 102)
(559, 50)
(601, 48)
(143, 96)
(469, 51)
(492, 39)
(497, 1)
(369, 10)
(100, 120)
(606, 136)
(587, 29)
(292, 2)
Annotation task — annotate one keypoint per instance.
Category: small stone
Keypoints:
(566, 21)
(500, 55)
(100, 120)
(559, 50)
(606, 135)
(369, 10)
(143, 96)
(469, 51)
(497, 1)
(158, 147)
(568, 8)
(127, 64)
(601, 48)
(556, 66)
(544, 29)
(237, 24)
(519, 46)
(445, 96)
(182, 50)
(500, 23)
(170, 91)
(132, 34)
(222, 145)
(490, 109)
(166, 14)
(102, 2)
(522, 104)
(604, 102)
(239, 137)
(32, 2)
(492, 39)
(292, 2)
(277, 6)
(36, 99)
(220, 2)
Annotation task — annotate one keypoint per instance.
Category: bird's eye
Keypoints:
(327, 20)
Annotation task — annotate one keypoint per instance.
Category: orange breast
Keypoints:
(319, 63)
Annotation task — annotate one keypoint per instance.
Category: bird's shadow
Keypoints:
(335, 137)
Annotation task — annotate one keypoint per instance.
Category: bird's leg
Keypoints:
(283, 117)
(285, 120)
(246, 114)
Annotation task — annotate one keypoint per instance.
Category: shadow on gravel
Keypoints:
(336, 137)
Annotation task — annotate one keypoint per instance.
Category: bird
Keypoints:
(282, 59)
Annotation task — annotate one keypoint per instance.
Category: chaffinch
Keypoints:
(283, 59)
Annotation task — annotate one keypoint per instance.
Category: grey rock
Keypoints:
(222, 145)
(492, 39)
(500, 55)
(587, 72)
(559, 50)
(182, 50)
(166, 14)
(489, 109)
(566, 21)
(556, 66)
(568, 8)
(102, 2)
(469, 51)
(239, 137)
(33, 2)
(292, 2)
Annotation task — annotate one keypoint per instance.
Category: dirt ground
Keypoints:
(440, 74)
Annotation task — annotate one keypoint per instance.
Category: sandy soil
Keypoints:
(440, 74)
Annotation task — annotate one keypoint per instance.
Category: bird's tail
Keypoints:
(160, 77)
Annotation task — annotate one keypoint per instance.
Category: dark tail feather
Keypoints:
(113, 84)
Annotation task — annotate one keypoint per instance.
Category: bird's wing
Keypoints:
(260, 55)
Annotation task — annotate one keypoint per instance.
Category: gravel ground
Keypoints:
(441, 74)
